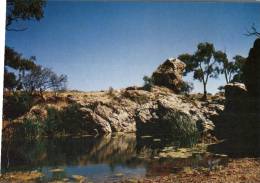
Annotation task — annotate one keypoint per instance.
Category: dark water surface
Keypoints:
(99, 159)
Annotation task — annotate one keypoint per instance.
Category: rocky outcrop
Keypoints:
(158, 111)
(171, 115)
(251, 70)
(239, 123)
(169, 74)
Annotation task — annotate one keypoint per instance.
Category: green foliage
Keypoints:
(181, 127)
(10, 81)
(51, 124)
(18, 10)
(202, 63)
(32, 128)
(17, 104)
(232, 70)
(72, 120)
(57, 123)
(186, 87)
(148, 82)
(239, 64)
(17, 62)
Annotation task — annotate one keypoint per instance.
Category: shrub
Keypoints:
(111, 92)
(32, 128)
(17, 104)
(186, 87)
(148, 82)
(72, 120)
(181, 127)
(51, 125)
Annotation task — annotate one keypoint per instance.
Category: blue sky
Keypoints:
(101, 44)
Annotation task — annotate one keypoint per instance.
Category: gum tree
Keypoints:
(202, 64)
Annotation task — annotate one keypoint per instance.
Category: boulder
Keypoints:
(169, 74)
(235, 90)
(236, 94)
(239, 121)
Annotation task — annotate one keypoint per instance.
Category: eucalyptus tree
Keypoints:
(202, 64)
(22, 10)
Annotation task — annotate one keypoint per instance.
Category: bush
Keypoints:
(51, 125)
(181, 127)
(111, 92)
(72, 121)
(148, 83)
(17, 104)
(186, 87)
(32, 128)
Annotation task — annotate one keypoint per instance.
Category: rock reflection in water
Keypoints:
(99, 159)
(111, 149)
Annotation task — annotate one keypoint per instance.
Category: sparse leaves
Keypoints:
(42, 79)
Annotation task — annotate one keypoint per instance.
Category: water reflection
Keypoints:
(104, 158)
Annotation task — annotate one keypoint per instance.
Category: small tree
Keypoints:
(202, 63)
(232, 70)
(42, 79)
(148, 82)
(239, 62)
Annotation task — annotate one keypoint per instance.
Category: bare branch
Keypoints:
(253, 32)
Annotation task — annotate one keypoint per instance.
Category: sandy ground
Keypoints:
(240, 170)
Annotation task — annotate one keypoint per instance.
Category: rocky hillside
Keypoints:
(159, 110)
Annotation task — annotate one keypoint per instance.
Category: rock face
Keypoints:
(158, 111)
(169, 74)
(107, 114)
(241, 114)
(171, 114)
(236, 94)
(251, 70)
(239, 123)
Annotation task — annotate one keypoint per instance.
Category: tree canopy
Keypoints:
(42, 79)
(232, 70)
(202, 63)
(21, 10)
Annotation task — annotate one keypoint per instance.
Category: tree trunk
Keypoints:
(226, 77)
(205, 91)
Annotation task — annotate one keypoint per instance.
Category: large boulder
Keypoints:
(239, 123)
(169, 74)
(236, 94)
(251, 70)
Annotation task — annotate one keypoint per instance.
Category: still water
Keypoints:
(99, 159)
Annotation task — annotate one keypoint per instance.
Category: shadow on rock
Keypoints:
(239, 123)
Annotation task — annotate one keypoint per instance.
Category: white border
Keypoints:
(2, 46)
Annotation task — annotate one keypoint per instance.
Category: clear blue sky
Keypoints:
(100, 44)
